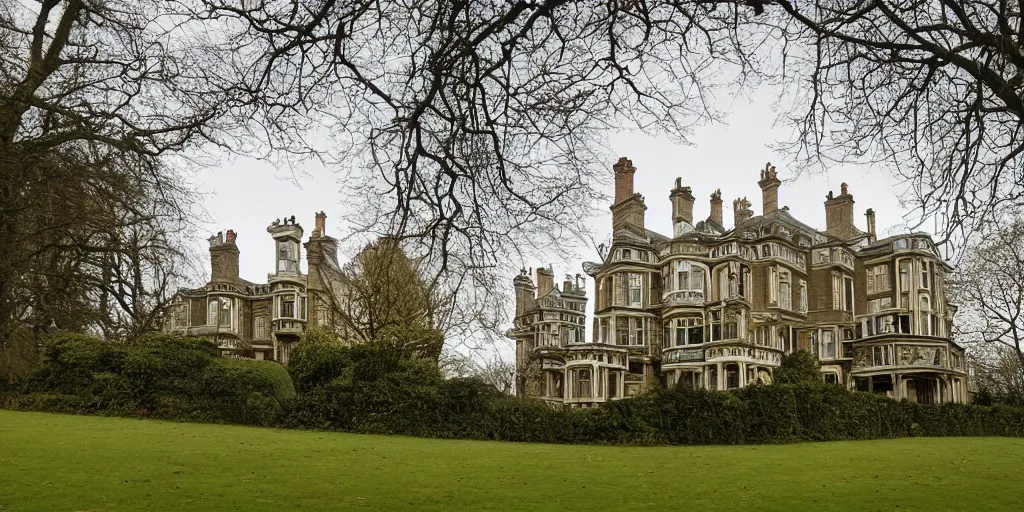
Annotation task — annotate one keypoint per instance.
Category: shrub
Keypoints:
(374, 388)
(800, 367)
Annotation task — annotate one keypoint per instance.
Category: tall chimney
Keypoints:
(624, 171)
(321, 219)
(741, 211)
(839, 214)
(545, 281)
(872, 236)
(628, 209)
(223, 257)
(769, 189)
(682, 203)
(716, 207)
(524, 292)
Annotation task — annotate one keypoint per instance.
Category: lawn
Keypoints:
(55, 462)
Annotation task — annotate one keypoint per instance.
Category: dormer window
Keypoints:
(288, 256)
(627, 254)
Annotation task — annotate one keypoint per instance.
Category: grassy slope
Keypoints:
(55, 462)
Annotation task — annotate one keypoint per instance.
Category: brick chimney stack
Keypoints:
(224, 257)
(545, 281)
(769, 189)
(716, 207)
(682, 203)
(839, 214)
(624, 171)
(321, 220)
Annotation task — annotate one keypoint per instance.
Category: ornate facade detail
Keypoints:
(718, 308)
(260, 320)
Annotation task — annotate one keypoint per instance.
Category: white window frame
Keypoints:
(635, 289)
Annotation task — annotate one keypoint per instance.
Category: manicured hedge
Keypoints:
(155, 376)
(373, 388)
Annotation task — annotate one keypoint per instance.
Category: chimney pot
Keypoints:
(321, 221)
(716, 207)
(872, 235)
(769, 189)
(545, 281)
(839, 214)
(682, 203)
(624, 171)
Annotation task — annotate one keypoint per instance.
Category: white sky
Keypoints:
(246, 194)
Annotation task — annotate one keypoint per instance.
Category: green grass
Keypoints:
(55, 462)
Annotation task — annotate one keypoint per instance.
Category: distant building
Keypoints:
(264, 318)
(716, 308)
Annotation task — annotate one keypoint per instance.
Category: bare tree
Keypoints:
(933, 90)
(474, 131)
(989, 286)
(382, 295)
(497, 372)
(93, 96)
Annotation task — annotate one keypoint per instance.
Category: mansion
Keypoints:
(261, 320)
(717, 308)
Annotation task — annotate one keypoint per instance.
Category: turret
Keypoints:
(287, 236)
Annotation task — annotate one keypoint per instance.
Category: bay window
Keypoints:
(828, 344)
(904, 266)
(225, 312)
(638, 331)
(622, 331)
(221, 312)
(581, 383)
(716, 325)
(688, 331)
(287, 306)
(925, 274)
(785, 291)
(878, 279)
(288, 256)
(635, 289)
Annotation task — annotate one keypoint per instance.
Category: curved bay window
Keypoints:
(582, 386)
(684, 331)
(221, 312)
(683, 282)
(724, 325)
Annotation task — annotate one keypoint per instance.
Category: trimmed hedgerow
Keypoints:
(373, 388)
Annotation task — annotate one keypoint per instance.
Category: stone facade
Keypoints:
(261, 320)
(717, 308)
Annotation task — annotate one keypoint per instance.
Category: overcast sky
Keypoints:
(246, 195)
